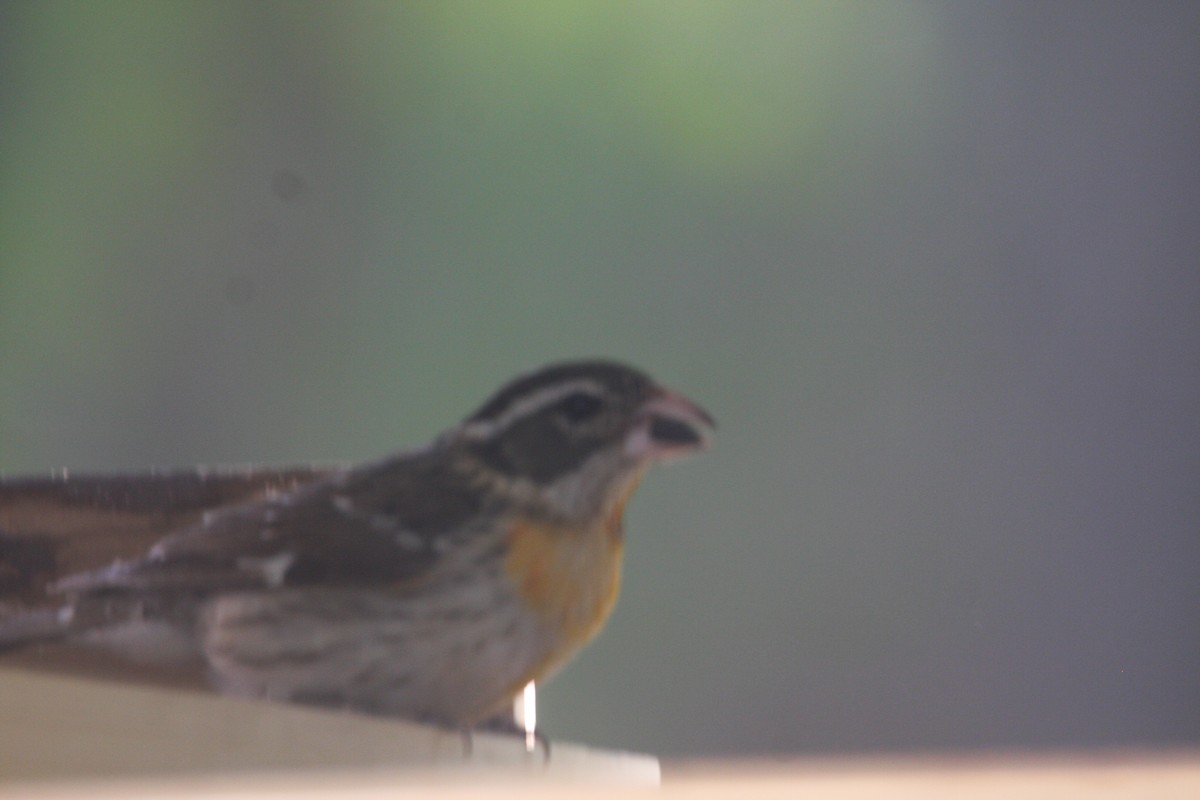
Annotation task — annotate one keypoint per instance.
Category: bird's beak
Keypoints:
(668, 426)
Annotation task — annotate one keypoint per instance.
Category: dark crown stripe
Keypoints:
(609, 374)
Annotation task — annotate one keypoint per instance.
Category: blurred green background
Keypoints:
(932, 265)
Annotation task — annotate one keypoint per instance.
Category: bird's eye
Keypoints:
(580, 406)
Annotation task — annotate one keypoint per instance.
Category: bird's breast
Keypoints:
(569, 578)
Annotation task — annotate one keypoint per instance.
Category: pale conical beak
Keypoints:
(669, 426)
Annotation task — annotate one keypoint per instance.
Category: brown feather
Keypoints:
(54, 527)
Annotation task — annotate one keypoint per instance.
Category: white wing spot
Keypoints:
(273, 568)
(343, 504)
(114, 574)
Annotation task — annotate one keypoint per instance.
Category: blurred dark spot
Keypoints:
(240, 290)
(22, 560)
(287, 185)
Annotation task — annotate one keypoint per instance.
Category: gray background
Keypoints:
(932, 265)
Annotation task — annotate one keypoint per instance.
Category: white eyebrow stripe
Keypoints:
(486, 428)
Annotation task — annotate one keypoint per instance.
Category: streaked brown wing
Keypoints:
(382, 524)
(54, 527)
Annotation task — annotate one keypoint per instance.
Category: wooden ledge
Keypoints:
(62, 728)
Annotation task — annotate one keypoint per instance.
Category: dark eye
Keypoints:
(580, 406)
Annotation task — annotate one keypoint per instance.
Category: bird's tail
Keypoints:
(20, 627)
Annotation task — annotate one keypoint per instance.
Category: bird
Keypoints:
(432, 584)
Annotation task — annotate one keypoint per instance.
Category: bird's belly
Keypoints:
(455, 650)
(454, 657)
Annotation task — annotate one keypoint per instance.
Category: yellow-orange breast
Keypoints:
(569, 577)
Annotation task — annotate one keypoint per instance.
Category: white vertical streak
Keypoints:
(528, 715)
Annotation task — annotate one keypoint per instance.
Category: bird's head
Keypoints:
(576, 436)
